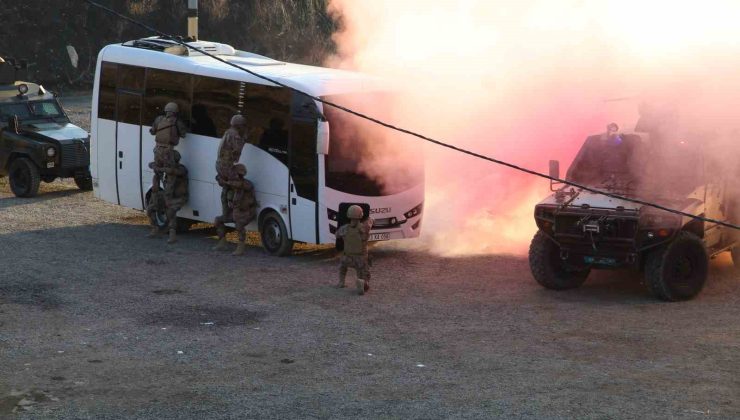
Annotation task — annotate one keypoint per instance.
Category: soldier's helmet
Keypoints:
(240, 169)
(238, 119)
(177, 156)
(355, 212)
(171, 107)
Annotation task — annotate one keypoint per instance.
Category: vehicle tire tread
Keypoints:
(35, 177)
(655, 279)
(542, 271)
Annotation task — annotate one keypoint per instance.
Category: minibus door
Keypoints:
(304, 176)
(128, 149)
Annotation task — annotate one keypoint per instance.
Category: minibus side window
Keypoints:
(166, 86)
(130, 78)
(267, 109)
(107, 91)
(215, 101)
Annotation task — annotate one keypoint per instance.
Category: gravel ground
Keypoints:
(96, 321)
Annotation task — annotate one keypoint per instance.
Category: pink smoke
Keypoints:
(526, 82)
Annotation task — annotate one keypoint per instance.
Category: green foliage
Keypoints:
(289, 30)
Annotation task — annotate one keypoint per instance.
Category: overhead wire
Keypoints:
(580, 186)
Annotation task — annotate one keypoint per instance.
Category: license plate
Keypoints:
(380, 236)
(591, 227)
(600, 260)
(49, 164)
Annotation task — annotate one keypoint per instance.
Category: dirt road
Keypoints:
(96, 321)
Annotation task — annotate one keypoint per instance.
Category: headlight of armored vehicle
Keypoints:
(51, 152)
(659, 224)
(545, 218)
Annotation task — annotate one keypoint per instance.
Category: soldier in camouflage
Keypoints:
(241, 209)
(354, 237)
(176, 194)
(167, 130)
(229, 153)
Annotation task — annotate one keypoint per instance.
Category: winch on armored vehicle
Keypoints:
(37, 141)
(580, 230)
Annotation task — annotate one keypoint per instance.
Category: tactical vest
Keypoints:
(166, 134)
(230, 149)
(353, 243)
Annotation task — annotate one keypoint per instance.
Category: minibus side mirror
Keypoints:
(322, 138)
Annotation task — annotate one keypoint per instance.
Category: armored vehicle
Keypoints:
(579, 231)
(37, 141)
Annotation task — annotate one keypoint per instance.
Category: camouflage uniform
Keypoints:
(355, 253)
(241, 209)
(176, 195)
(167, 130)
(229, 153)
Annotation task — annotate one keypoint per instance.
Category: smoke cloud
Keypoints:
(527, 82)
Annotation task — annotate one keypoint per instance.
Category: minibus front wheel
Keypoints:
(274, 235)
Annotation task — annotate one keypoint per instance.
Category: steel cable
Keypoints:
(180, 41)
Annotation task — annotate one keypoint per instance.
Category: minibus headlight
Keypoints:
(414, 212)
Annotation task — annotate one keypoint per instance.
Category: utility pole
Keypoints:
(193, 19)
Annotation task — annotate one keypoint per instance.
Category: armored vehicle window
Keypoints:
(46, 109)
(8, 110)
(602, 158)
(166, 86)
(267, 110)
(215, 101)
(107, 91)
(131, 78)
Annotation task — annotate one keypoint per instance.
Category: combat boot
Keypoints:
(221, 245)
(240, 247)
(361, 287)
(173, 237)
(153, 232)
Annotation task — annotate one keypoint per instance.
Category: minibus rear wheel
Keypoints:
(275, 236)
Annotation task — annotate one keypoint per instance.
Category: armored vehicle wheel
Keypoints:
(679, 270)
(24, 178)
(549, 269)
(275, 236)
(84, 182)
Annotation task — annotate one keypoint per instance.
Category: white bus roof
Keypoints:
(317, 81)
